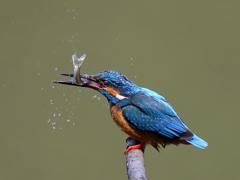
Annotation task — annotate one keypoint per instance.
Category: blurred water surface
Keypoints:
(186, 50)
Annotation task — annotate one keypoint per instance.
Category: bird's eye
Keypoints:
(105, 82)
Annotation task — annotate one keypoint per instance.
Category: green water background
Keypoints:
(187, 51)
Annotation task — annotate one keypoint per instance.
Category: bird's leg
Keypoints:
(128, 138)
(138, 146)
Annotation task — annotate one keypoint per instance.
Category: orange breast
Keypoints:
(140, 135)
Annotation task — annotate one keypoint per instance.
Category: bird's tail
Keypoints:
(198, 142)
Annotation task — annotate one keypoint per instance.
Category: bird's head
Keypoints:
(114, 85)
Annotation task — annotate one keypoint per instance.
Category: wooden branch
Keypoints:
(135, 162)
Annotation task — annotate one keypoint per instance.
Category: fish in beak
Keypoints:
(86, 81)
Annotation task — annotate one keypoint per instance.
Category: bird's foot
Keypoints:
(139, 146)
(136, 146)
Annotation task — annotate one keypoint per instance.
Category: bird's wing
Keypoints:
(147, 113)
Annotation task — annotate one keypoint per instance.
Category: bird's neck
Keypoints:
(111, 99)
(119, 102)
(119, 99)
(114, 98)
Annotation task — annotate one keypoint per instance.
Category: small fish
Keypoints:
(77, 78)
(77, 63)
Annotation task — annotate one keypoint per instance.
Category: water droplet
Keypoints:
(54, 123)
(60, 128)
(38, 73)
(52, 86)
(79, 91)
(135, 76)
(48, 120)
(99, 98)
(73, 123)
(59, 114)
(54, 115)
(54, 127)
(63, 94)
(55, 69)
(95, 96)
(68, 120)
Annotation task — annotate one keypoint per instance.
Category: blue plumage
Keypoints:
(147, 110)
(198, 142)
(141, 113)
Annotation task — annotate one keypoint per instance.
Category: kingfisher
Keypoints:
(143, 114)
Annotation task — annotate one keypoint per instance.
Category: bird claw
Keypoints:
(139, 146)
(134, 144)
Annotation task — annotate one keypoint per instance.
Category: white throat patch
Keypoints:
(120, 97)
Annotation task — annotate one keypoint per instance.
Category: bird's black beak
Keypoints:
(90, 81)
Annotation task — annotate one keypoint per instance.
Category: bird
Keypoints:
(143, 114)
